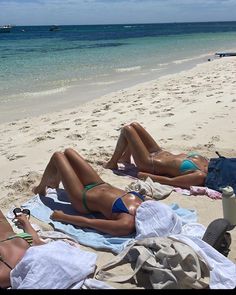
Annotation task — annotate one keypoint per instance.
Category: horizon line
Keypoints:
(110, 24)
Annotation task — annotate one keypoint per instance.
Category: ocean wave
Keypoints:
(121, 70)
(128, 27)
(45, 92)
(180, 61)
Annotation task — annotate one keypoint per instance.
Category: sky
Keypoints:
(81, 12)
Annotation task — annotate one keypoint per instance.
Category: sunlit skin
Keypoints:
(75, 173)
(154, 162)
(13, 250)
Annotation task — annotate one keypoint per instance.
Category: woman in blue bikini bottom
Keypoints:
(89, 193)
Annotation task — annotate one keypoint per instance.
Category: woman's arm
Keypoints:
(119, 227)
(183, 181)
(23, 222)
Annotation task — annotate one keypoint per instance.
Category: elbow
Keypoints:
(126, 228)
(201, 177)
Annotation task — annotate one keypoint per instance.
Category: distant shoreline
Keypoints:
(36, 104)
(123, 24)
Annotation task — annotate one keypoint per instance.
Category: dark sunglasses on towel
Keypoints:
(18, 211)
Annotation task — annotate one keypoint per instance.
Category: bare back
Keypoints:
(11, 252)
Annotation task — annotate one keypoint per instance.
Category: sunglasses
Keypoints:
(18, 211)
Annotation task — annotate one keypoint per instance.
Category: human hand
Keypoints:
(142, 175)
(57, 215)
(21, 221)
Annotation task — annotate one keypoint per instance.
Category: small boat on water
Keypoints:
(222, 54)
(54, 28)
(5, 29)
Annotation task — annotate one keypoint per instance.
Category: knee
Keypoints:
(68, 151)
(135, 125)
(57, 156)
(127, 129)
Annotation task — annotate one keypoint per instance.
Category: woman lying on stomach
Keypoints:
(182, 170)
(88, 193)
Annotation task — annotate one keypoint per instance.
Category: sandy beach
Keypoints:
(190, 110)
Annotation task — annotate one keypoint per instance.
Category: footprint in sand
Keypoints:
(59, 121)
(42, 138)
(209, 145)
(24, 128)
(14, 157)
(187, 137)
(155, 101)
(96, 111)
(168, 115)
(57, 130)
(153, 112)
(215, 138)
(74, 136)
(167, 109)
(168, 125)
(45, 119)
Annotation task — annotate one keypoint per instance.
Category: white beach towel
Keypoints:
(56, 265)
(155, 219)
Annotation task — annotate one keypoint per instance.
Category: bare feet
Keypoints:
(110, 165)
(39, 190)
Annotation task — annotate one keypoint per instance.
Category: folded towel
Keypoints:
(150, 188)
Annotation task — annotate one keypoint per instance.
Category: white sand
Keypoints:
(191, 110)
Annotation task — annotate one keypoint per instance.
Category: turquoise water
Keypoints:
(36, 62)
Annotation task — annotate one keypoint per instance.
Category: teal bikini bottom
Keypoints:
(187, 164)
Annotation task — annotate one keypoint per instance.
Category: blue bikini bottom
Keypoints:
(119, 206)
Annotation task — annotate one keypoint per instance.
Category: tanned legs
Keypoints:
(136, 141)
(73, 171)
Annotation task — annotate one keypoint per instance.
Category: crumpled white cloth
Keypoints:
(194, 229)
(150, 188)
(222, 270)
(156, 219)
(95, 284)
(55, 265)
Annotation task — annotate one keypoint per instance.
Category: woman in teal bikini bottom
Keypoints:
(181, 170)
(89, 193)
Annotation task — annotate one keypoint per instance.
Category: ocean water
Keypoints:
(37, 65)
